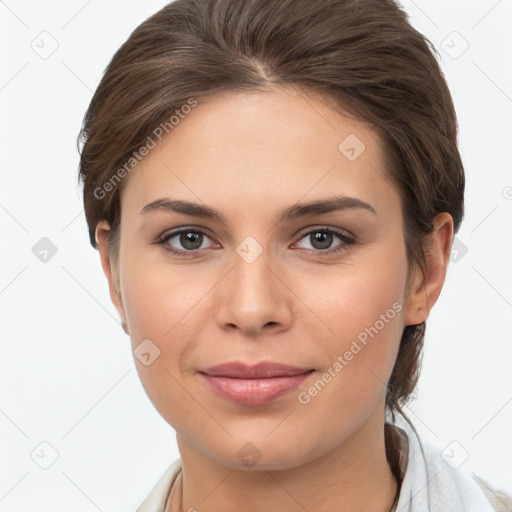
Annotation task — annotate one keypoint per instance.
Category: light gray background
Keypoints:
(66, 369)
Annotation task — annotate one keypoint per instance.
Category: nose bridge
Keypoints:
(251, 295)
(252, 277)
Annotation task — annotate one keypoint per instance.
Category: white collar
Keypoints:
(430, 484)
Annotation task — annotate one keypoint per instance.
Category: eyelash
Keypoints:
(346, 239)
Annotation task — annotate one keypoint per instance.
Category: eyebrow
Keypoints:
(335, 203)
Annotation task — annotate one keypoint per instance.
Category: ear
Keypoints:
(110, 270)
(425, 290)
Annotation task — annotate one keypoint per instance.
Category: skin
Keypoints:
(249, 156)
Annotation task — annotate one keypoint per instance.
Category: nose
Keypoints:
(253, 298)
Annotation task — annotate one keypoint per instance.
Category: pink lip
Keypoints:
(254, 385)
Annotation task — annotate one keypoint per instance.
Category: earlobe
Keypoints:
(426, 288)
(101, 234)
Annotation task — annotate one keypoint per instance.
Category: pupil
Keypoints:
(323, 239)
(189, 240)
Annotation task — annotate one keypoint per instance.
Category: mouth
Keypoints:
(254, 385)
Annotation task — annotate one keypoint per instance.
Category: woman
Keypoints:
(274, 187)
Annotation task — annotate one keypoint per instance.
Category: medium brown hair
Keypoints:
(361, 54)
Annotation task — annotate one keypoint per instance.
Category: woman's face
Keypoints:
(322, 289)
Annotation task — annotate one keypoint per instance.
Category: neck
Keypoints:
(355, 474)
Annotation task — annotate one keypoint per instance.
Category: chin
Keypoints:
(261, 453)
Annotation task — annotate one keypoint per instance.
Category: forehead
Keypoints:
(257, 149)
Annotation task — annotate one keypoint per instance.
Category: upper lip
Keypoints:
(265, 369)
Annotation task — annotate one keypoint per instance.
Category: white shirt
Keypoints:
(435, 479)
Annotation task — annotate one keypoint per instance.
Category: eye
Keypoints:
(321, 240)
(187, 239)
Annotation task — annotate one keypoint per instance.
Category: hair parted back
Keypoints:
(361, 54)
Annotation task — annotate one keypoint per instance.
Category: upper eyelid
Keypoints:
(333, 229)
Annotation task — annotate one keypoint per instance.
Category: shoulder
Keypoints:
(500, 501)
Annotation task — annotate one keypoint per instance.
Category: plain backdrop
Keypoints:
(77, 430)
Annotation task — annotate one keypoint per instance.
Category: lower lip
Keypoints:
(254, 391)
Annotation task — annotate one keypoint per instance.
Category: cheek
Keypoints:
(171, 317)
(161, 309)
(165, 304)
(352, 299)
(159, 297)
(364, 311)
(360, 359)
